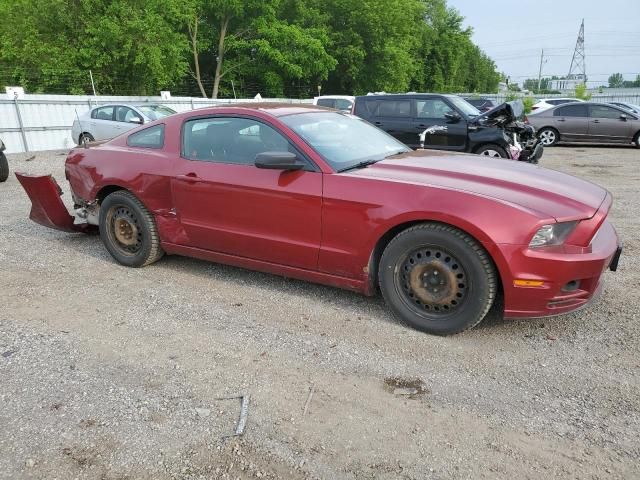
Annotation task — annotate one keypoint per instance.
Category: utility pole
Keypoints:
(540, 71)
(93, 86)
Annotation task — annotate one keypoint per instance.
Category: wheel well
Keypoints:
(548, 127)
(488, 144)
(384, 240)
(108, 190)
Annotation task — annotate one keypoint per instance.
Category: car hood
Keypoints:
(544, 192)
(502, 114)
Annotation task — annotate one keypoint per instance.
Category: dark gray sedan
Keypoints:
(587, 122)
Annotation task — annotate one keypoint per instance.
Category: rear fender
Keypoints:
(47, 207)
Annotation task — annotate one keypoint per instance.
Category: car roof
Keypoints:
(275, 109)
(407, 95)
(347, 97)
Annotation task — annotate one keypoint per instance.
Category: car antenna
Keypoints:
(84, 137)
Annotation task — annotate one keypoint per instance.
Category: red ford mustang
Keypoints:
(323, 196)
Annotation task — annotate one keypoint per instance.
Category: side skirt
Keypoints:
(352, 284)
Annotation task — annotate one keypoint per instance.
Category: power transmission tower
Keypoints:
(578, 69)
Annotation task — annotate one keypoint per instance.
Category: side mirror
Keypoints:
(452, 117)
(278, 161)
(137, 120)
(623, 117)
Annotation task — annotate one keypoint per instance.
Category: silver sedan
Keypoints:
(108, 121)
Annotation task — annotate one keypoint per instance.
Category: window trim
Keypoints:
(113, 113)
(310, 167)
(611, 107)
(570, 105)
(162, 131)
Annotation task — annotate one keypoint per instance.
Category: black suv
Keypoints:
(448, 122)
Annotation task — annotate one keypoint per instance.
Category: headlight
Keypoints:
(553, 234)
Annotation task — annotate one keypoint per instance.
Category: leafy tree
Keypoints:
(581, 92)
(616, 80)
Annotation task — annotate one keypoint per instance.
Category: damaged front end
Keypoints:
(523, 142)
(47, 207)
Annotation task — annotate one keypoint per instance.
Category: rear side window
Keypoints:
(394, 108)
(573, 110)
(152, 137)
(103, 113)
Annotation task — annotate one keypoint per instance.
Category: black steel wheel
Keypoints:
(128, 230)
(437, 279)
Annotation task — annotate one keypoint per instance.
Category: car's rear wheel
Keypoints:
(4, 168)
(85, 137)
(491, 150)
(548, 136)
(437, 279)
(128, 230)
(636, 140)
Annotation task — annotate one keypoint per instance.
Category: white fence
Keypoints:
(43, 122)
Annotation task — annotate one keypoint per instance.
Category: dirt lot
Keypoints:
(114, 373)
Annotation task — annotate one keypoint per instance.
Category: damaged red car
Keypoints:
(324, 196)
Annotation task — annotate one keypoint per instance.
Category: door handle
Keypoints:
(595, 121)
(377, 123)
(561, 120)
(189, 178)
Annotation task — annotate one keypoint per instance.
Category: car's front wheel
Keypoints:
(437, 279)
(128, 230)
(548, 136)
(491, 150)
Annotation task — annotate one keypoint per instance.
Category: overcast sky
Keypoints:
(513, 32)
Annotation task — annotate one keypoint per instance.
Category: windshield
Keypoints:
(155, 112)
(465, 107)
(343, 140)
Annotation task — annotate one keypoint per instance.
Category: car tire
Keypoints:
(86, 135)
(636, 140)
(128, 230)
(491, 150)
(548, 136)
(437, 279)
(4, 168)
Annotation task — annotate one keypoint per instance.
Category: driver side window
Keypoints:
(432, 108)
(230, 140)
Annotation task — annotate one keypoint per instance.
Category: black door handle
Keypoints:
(377, 123)
(596, 121)
(561, 120)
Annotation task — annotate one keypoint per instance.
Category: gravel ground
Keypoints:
(114, 373)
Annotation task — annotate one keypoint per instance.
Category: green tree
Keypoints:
(581, 92)
(616, 80)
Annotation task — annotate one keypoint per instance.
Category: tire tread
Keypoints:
(485, 260)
